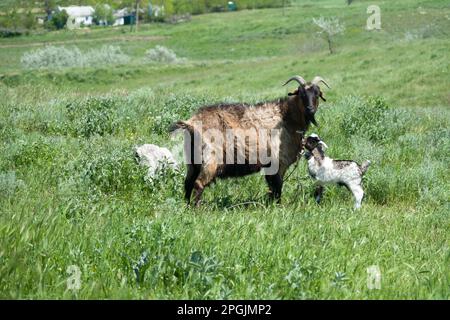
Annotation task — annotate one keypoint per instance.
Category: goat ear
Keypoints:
(293, 93)
(324, 145)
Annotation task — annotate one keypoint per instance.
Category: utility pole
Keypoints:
(48, 10)
(137, 14)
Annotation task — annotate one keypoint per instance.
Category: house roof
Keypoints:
(78, 11)
(121, 13)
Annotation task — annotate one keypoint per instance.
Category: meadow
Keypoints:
(71, 193)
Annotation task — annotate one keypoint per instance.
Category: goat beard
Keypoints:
(310, 117)
(313, 121)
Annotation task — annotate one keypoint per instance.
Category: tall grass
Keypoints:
(72, 194)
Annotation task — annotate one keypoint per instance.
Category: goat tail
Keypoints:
(180, 125)
(364, 166)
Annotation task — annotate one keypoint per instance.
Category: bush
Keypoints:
(112, 171)
(104, 15)
(52, 57)
(424, 32)
(199, 7)
(92, 116)
(176, 107)
(162, 55)
(367, 118)
(59, 20)
(106, 55)
(104, 167)
(178, 18)
(29, 20)
(9, 32)
(9, 183)
(35, 151)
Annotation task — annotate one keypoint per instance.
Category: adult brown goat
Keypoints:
(265, 136)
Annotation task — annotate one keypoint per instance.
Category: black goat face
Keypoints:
(309, 94)
(313, 141)
(310, 97)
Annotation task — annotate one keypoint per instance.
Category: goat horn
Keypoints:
(299, 79)
(318, 79)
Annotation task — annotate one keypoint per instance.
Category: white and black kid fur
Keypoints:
(325, 170)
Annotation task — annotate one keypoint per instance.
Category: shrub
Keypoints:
(113, 170)
(59, 20)
(367, 118)
(178, 18)
(199, 7)
(162, 55)
(92, 116)
(9, 183)
(29, 20)
(9, 33)
(52, 57)
(177, 106)
(106, 55)
(424, 32)
(438, 142)
(104, 15)
(28, 152)
(104, 167)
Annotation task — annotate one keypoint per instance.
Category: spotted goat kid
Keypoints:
(326, 171)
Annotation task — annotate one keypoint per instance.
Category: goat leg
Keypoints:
(275, 185)
(318, 193)
(198, 193)
(191, 176)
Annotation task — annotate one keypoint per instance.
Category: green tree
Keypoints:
(49, 5)
(29, 20)
(104, 14)
(329, 28)
(59, 20)
(12, 19)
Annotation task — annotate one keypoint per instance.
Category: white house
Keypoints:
(78, 15)
(119, 17)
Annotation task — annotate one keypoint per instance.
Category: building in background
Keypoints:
(79, 16)
(119, 16)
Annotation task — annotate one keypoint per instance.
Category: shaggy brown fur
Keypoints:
(291, 116)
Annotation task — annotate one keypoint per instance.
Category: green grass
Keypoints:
(71, 194)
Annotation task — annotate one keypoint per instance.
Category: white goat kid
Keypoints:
(328, 171)
(154, 158)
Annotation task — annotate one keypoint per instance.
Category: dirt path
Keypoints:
(108, 39)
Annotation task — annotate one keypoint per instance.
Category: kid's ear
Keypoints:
(324, 145)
